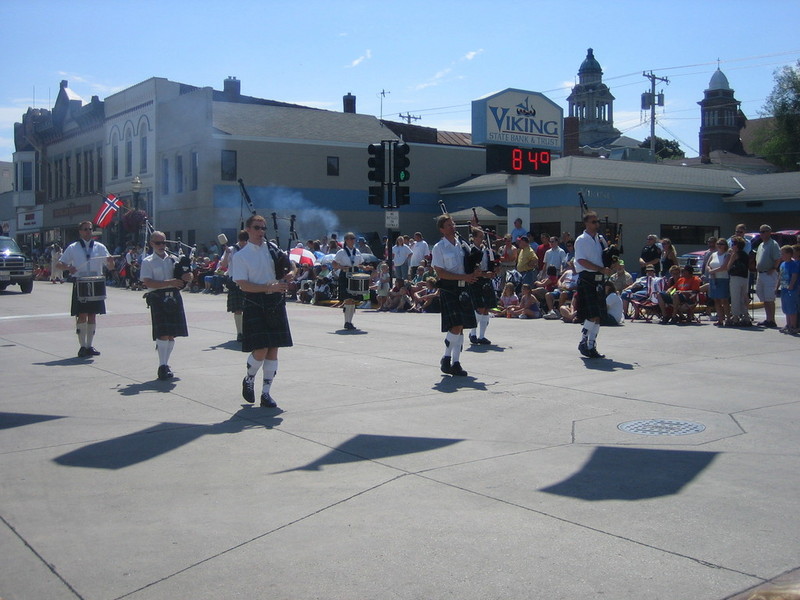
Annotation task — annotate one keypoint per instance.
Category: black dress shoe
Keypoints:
(164, 373)
(83, 352)
(239, 338)
(593, 353)
(444, 365)
(457, 370)
(268, 402)
(584, 349)
(484, 342)
(473, 339)
(92, 351)
(248, 393)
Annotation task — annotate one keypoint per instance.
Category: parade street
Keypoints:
(668, 470)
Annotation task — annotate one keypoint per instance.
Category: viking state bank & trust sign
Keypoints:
(518, 118)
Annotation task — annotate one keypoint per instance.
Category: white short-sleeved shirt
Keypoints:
(419, 251)
(254, 264)
(589, 248)
(449, 257)
(400, 254)
(86, 258)
(348, 258)
(158, 269)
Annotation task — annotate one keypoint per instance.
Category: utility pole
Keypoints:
(651, 101)
(383, 95)
(409, 117)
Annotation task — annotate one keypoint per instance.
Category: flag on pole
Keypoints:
(107, 211)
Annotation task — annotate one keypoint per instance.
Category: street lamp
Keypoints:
(136, 187)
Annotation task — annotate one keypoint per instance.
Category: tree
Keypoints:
(665, 148)
(779, 140)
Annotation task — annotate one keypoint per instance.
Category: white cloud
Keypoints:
(366, 56)
(472, 54)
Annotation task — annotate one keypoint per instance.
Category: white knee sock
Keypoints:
(90, 328)
(349, 311)
(483, 323)
(270, 369)
(237, 319)
(162, 347)
(253, 365)
(593, 329)
(456, 345)
(81, 331)
(449, 343)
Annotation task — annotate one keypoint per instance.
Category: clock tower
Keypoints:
(593, 105)
(721, 118)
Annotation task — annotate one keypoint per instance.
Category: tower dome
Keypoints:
(718, 81)
(590, 64)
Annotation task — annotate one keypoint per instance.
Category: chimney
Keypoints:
(232, 88)
(571, 136)
(349, 103)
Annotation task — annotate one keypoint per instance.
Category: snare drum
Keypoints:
(358, 284)
(91, 289)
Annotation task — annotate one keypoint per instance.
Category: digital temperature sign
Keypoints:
(513, 159)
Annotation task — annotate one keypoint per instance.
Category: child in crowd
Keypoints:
(528, 307)
(508, 299)
(789, 271)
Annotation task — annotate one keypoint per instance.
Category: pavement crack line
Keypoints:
(594, 529)
(263, 535)
(41, 558)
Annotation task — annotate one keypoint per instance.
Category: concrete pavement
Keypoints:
(668, 470)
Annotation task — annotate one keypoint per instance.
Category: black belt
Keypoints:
(593, 276)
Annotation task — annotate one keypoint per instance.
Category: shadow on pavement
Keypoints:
(11, 420)
(633, 474)
(140, 446)
(374, 447)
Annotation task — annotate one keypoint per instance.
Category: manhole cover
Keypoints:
(661, 427)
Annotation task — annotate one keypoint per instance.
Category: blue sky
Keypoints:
(431, 59)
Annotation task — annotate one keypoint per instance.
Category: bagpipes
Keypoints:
(613, 250)
(281, 259)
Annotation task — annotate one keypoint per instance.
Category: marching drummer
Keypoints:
(349, 260)
(84, 259)
(164, 299)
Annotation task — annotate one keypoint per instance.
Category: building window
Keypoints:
(165, 176)
(191, 238)
(228, 165)
(78, 174)
(88, 165)
(195, 170)
(143, 154)
(68, 177)
(333, 166)
(114, 161)
(695, 235)
(128, 158)
(99, 179)
(27, 176)
(178, 174)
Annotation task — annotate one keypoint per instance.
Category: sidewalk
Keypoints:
(667, 471)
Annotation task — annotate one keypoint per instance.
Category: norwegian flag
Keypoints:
(107, 211)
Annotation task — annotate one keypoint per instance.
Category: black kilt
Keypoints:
(483, 294)
(264, 323)
(95, 307)
(166, 313)
(591, 298)
(235, 298)
(457, 309)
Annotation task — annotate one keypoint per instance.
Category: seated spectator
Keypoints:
(562, 295)
(508, 299)
(417, 282)
(379, 283)
(546, 283)
(620, 277)
(640, 289)
(664, 297)
(398, 299)
(614, 313)
(427, 299)
(322, 290)
(528, 307)
(569, 311)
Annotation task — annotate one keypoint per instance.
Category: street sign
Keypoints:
(392, 219)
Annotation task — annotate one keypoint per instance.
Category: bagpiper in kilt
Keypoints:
(458, 310)
(235, 296)
(164, 278)
(260, 269)
(591, 308)
(484, 297)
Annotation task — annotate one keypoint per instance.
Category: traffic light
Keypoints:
(377, 162)
(375, 195)
(403, 195)
(401, 162)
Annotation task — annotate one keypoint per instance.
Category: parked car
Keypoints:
(15, 267)
(692, 258)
